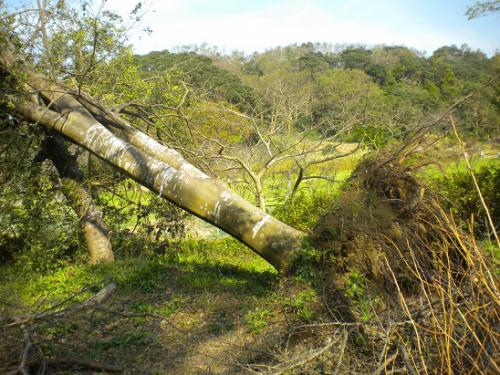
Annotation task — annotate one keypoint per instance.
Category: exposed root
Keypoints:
(417, 267)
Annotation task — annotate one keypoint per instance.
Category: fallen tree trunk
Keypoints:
(158, 168)
(91, 222)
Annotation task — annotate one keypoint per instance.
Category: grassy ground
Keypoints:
(197, 308)
(456, 166)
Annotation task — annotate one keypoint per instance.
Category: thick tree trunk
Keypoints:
(207, 198)
(72, 178)
(157, 167)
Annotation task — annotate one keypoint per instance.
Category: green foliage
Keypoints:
(466, 65)
(74, 38)
(483, 8)
(449, 84)
(302, 305)
(355, 58)
(200, 72)
(315, 62)
(257, 319)
(352, 105)
(491, 248)
(252, 67)
(374, 136)
(304, 209)
(38, 231)
(306, 263)
(143, 223)
(459, 188)
(356, 291)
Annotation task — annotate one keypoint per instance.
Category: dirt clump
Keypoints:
(402, 260)
(384, 214)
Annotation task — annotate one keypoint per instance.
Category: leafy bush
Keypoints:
(356, 291)
(257, 319)
(306, 262)
(39, 232)
(464, 200)
(303, 305)
(305, 208)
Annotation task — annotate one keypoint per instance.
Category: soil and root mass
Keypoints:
(422, 285)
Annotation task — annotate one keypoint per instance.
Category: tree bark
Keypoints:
(72, 178)
(157, 167)
(205, 197)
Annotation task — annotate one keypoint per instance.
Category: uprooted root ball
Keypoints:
(390, 246)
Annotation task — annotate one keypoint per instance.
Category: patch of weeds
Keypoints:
(60, 330)
(225, 278)
(356, 291)
(307, 206)
(147, 277)
(305, 264)
(81, 281)
(257, 319)
(226, 251)
(143, 307)
(493, 252)
(74, 283)
(491, 249)
(302, 305)
(198, 280)
(361, 340)
(464, 201)
(170, 307)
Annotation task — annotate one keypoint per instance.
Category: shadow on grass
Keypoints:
(165, 310)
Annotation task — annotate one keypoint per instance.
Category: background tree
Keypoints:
(483, 8)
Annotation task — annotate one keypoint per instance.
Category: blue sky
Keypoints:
(254, 25)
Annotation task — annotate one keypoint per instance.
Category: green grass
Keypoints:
(257, 319)
(224, 265)
(208, 290)
(433, 171)
(276, 188)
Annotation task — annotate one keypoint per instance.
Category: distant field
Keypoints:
(435, 171)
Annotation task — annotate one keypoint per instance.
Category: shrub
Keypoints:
(303, 305)
(464, 201)
(257, 319)
(306, 207)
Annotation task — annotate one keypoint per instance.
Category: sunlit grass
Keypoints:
(193, 266)
(456, 166)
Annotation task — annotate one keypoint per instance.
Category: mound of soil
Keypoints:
(389, 247)
(383, 211)
(383, 223)
(416, 265)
